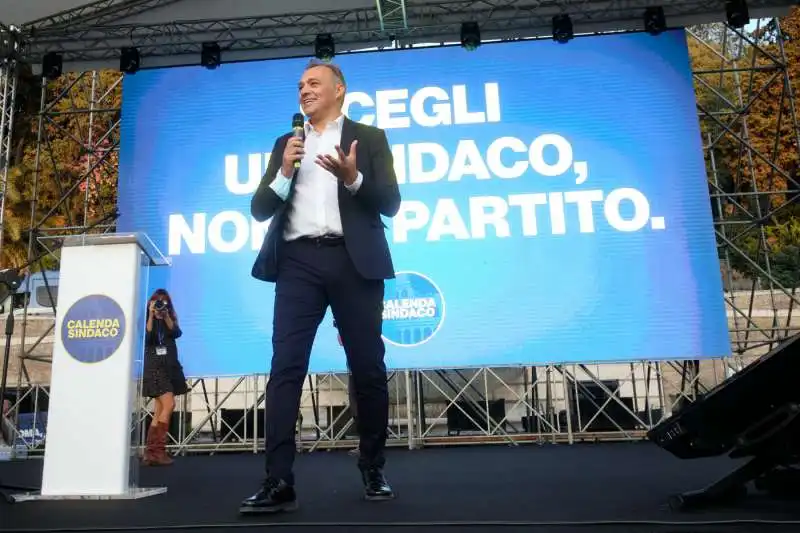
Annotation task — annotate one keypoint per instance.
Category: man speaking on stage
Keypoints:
(326, 186)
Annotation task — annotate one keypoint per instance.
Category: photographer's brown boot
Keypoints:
(160, 455)
(150, 447)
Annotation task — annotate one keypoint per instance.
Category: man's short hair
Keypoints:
(335, 70)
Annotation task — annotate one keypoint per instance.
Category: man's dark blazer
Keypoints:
(360, 213)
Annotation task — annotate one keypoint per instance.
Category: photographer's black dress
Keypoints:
(163, 372)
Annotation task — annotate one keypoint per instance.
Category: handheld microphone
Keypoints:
(298, 130)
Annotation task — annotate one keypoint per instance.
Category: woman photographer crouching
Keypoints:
(163, 377)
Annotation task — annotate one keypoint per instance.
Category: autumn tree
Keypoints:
(716, 90)
(773, 245)
(744, 89)
(771, 127)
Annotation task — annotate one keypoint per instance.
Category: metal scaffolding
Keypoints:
(99, 13)
(93, 34)
(70, 174)
(393, 16)
(745, 70)
(8, 92)
(553, 403)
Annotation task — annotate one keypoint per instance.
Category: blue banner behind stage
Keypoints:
(555, 206)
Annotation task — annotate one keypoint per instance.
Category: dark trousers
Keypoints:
(351, 397)
(311, 277)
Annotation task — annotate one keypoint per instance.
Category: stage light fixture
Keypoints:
(655, 22)
(562, 28)
(210, 55)
(737, 13)
(470, 35)
(52, 65)
(324, 47)
(8, 45)
(129, 60)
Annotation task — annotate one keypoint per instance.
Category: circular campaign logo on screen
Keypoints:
(413, 309)
(93, 328)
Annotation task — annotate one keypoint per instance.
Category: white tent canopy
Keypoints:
(170, 32)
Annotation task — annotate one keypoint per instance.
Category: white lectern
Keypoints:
(97, 364)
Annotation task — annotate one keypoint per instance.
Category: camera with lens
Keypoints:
(160, 305)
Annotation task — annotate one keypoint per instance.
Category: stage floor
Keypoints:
(454, 489)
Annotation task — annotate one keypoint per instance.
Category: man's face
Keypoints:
(319, 91)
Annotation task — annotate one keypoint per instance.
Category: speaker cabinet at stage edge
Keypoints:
(755, 413)
(713, 424)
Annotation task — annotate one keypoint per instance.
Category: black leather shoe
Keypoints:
(376, 488)
(275, 496)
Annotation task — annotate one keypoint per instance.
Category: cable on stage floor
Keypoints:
(465, 524)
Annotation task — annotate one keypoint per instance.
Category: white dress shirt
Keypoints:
(315, 204)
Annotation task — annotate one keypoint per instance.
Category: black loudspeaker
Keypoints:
(756, 414)
(458, 421)
(234, 425)
(596, 411)
(338, 417)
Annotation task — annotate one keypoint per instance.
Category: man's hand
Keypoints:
(344, 167)
(293, 152)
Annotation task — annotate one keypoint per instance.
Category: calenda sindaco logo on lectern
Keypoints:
(93, 328)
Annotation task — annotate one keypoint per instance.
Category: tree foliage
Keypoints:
(744, 93)
(64, 157)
